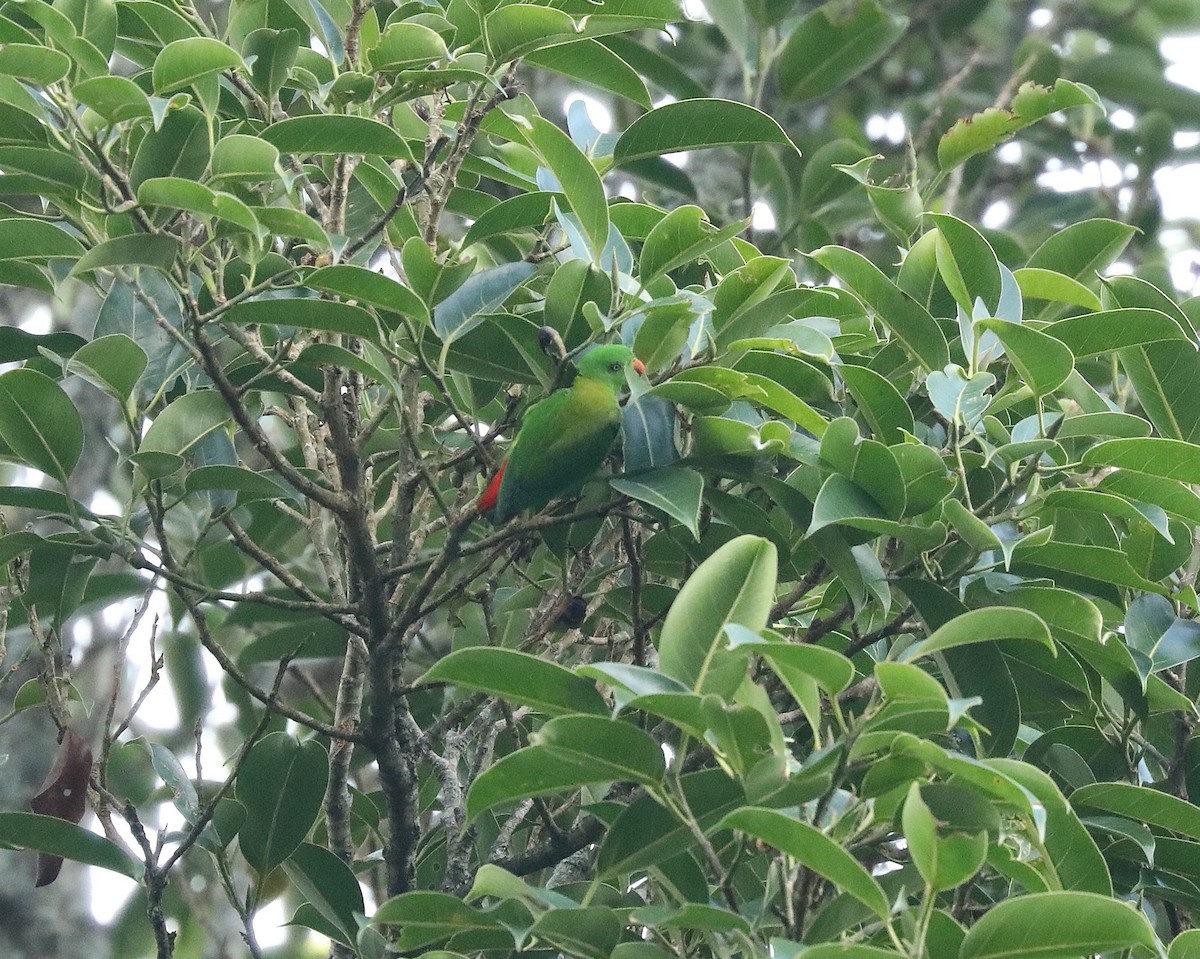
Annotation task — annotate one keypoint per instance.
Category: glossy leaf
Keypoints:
(1057, 925)
(831, 45)
(281, 784)
(734, 585)
(54, 837)
(674, 490)
(812, 848)
(576, 177)
(696, 125)
(519, 678)
(39, 422)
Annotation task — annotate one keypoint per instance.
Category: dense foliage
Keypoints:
(874, 639)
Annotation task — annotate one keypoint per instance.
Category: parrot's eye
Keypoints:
(615, 367)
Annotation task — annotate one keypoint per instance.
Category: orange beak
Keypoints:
(639, 366)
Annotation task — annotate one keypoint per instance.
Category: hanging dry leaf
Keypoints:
(63, 795)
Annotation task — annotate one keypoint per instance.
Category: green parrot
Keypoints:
(563, 438)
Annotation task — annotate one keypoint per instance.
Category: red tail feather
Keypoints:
(488, 500)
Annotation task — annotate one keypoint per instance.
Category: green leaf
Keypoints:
(831, 670)
(880, 403)
(57, 837)
(944, 861)
(284, 221)
(28, 239)
(39, 423)
(185, 422)
(576, 177)
(179, 147)
(958, 398)
(174, 193)
(405, 45)
(675, 491)
(1037, 284)
(1031, 103)
(245, 159)
(117, 99)
(967, 263)
(1169, 459)
(519, 678)
(696, 125)
(516, 29)
(591, 932)
(274, 54)
(481, 294)
(183, 62)
(1043, 361)
(591, 62)
(834, 44)
(645, 833)
(157, 251)
(328, 883)
(899, 312)
(811, 848)
(52, 171)
(622, 751)
(1093, 334)
(736, 584)
(428, 917)
(112, 363)
(682, 236)
(281, 784)
(183, 791)
(1057, 925)
(1185, 946)
(1081, 250)
(367, 286)
(1141, 804)
(983, 625)
(831, 950)
(329, 133)
(36, 64)
(1164, 639)
(568, 752)
(247, 484)
(309, 314)
(648, 434)
(524, 211)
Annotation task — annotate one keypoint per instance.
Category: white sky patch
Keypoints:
(109, 892)
(269, 925)
(1185, 139)
(1010, 153)
(891, 128)
(1176, 186)
(1185, 268)
(1122, 119)
(103, 503)
(1184, 54)
(1040, 17)
(314, 43)
(1089, 176)
(696, 10)
(598, 113)
(664, 100)
(762, 217)
(1120, 268)
(627, 190)
(997, 215)
(38, 321)
(680, 160)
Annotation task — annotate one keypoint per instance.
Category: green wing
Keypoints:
(562, 441)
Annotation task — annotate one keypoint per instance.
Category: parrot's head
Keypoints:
(608, 364)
